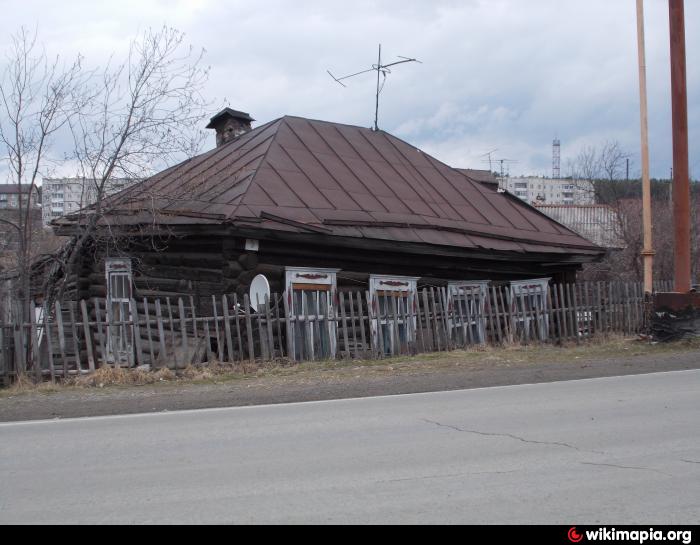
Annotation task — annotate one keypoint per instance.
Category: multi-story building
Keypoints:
(10, 195)
(536, 190)
(61, 196)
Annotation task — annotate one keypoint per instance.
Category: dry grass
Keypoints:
(500, 356)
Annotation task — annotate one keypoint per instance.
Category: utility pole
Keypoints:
(679, 113)
(647, 251)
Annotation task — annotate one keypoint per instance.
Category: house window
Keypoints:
(393, 304)
(468, 301)
(529, 307)
(119, 294)
(311, 295)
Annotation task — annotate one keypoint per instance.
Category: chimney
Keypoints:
(229, 124)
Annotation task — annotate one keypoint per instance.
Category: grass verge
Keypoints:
(475, 357)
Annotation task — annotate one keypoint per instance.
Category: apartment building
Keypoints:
(10, 195)
(535, 190)
(61, 196)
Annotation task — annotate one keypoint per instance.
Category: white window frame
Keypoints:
(533, 290)
(305, 279)
(378, 285)
(120, 338)
(473, 315)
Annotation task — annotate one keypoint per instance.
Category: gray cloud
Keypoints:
(503, 74)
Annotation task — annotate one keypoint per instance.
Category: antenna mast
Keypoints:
(380, 68)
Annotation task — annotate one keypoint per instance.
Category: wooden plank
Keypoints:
(436, 325)
(61, 338)
(173, 342)
(352, 325)
(149, 334)
(249, 329)
(279, 324)
(304, 318)
(396, 347)
(163, 357)
(426, 311)
(373, 321)
(261, 331)
(183, 329)
(561, 300)
(409, 320)
(194, 320)
(556, 310)
(49, 346)
(207, 337)
(88, 337)
(219, 337)
(270, 331)
(100, 332)
(20, 352)
(236, 308)
(599, 308)
(476, 317)
(36, 361)
(628, 308)
(74, 333)
(361, 316)
(343, 324)
(497, 314)
(291, 324)
(227, 329)
(504, 296)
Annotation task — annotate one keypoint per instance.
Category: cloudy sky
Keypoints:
(496, 74)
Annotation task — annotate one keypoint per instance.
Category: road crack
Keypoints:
(447, 475)
(627, 467)
(511, 436)
(689, 461)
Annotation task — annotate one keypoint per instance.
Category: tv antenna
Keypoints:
(488, 153)
(381, 70)
(506, 162)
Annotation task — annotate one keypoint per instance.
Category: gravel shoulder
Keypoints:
(320, 381)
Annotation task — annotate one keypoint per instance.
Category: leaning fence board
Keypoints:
(358, 298)
(100, 333)
(36, 362)
(227, 329)
(219, 338)
(261, 332)
(149, 336)
(249, 329)
(236, 308)
(352, 325)
(61, 338)
(270, 332)
(49, 347)
(183, 329)
(161, 333)
(279, 325)
(88, 339)
(74, 332)
(374, 327)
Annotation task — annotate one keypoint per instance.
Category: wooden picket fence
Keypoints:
(77, 338)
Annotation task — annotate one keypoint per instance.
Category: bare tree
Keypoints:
(36, 102)
(135, 118)
(126, 120)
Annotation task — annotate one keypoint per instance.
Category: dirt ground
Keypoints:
(346, 379)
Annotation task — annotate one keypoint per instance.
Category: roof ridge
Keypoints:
(263, 159)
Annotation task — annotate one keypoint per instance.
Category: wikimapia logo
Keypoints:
(636, 536)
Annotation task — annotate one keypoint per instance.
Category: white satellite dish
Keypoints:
(259, 289)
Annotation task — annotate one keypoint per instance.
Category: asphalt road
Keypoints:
(606, 450)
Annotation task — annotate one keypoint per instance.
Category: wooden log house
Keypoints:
(317, 208)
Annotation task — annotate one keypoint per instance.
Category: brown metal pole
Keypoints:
(681, 184)
(648, 251)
